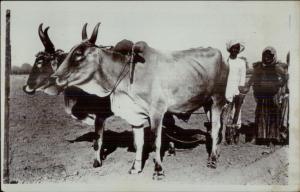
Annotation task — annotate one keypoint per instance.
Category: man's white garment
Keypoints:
(236, 78)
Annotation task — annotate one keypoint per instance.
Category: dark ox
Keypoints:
(178, 82)
(88, 108)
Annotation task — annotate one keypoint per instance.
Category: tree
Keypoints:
(24, 69)
(15, 70)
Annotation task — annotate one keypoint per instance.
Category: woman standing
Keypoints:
(269, 76)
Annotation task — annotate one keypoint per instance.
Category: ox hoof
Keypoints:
(103, 156)
(158, 175)
(136, 167)
(212, 162)
(134, 171)
(171, 150)
(236, 140)
(158, 172)
(97, 163)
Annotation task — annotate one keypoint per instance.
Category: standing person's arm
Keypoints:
(249, 83)
(282, 71)
(242, 74)
(242, 84)
(229, 88)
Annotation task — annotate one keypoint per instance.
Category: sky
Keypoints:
(163, 25)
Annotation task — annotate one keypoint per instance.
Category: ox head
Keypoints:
(81, 62)
(88, 65)
(87, 61)
(45, 64)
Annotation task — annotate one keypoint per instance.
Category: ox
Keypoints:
(88, 108)
(178, 82)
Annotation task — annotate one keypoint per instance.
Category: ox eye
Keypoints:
(79, 58)
(78, 55)
(78, 52)
(39, 63)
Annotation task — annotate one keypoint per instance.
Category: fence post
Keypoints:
(7, 91)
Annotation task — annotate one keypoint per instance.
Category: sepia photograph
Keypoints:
(150, 96)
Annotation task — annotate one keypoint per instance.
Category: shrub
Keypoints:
(24, 69)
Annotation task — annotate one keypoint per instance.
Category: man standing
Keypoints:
(235, 82)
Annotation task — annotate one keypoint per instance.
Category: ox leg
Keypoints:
(99, 129)
(169, 123)
(156, 125)
(215, 134)
(138, 135)
(207, 109)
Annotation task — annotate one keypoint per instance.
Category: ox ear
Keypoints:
(140, 46)
(139, 49)
(94, 34)
(83, 33)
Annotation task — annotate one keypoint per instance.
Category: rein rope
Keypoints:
(182, 141)
(224, 111)
(131, 64)
(121, 76)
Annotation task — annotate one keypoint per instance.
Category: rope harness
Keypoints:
(121, 76)
(131, 64)
(182, 141)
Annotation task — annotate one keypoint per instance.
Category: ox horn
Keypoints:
(41, 33)
(94, 34)
(50, 47)
(84, 34)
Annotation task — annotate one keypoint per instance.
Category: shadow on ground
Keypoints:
(173, 138)
(181, 139)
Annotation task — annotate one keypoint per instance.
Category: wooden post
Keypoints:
(7, 91)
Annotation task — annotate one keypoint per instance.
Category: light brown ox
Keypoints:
(178, 82)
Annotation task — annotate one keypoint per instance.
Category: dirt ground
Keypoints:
(40, 131)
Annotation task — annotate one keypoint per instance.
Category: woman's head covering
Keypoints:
(273, 52)
(230, 43)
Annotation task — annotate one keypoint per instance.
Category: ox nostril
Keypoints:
(59, 82)
(54, 76)
(58, 79)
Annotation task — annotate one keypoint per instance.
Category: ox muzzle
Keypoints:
(28, 90)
